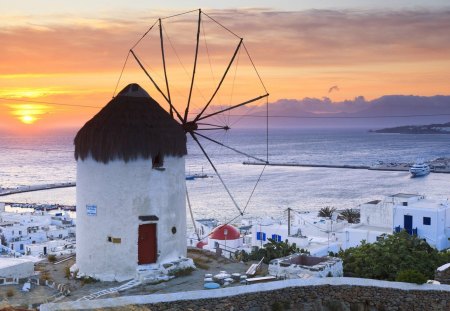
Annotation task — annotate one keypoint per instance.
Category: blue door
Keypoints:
(408, 219)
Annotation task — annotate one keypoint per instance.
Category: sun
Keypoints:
(27, 119)
(28, 113)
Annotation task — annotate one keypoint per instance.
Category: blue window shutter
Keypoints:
(263, 236)
(259, 235)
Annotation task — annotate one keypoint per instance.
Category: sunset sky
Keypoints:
(72, 53)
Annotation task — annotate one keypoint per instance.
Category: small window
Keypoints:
(158, 161)
(427, 221)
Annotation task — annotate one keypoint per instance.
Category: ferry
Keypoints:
(420, 168)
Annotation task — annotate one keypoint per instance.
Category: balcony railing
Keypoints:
(411, 231)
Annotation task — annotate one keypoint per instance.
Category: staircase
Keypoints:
(112, 290)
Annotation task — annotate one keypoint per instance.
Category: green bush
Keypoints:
(67, 274)
(88, 280)
(269, 251)
(411, 276)
(10, 293)
(51, 258)
(384, 259)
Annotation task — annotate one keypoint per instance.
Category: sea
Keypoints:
(259, 191)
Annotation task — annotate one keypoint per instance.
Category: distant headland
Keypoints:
(417, 129)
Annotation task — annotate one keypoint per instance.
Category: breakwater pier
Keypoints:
(436, 166)
(22, 189)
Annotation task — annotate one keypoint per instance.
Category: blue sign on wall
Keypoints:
(91, 210)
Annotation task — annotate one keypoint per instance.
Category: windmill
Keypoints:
(202, 112)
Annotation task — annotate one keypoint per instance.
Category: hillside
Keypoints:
(418, 129)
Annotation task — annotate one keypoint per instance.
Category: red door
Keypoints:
(147, 244)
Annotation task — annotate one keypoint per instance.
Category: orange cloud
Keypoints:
(298, 54)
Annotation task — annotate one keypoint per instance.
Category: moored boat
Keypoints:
(420, 168)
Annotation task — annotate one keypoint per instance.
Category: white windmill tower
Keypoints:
(131, 208)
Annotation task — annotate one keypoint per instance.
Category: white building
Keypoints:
(303, 266)
(13, 269)
(427, 218)
(57, 247)
(131, 208)
(21, 229)
(315, 234)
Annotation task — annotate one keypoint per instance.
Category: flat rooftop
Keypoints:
(426, 204)
(6, 262)
(404, 195)
(371, 228)
(374, 202)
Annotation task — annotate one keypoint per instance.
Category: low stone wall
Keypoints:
(442, 274)
(335, 294)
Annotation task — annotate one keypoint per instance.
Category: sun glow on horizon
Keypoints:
(28, 113)
(27, 119)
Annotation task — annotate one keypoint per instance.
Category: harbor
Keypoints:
(439, 165)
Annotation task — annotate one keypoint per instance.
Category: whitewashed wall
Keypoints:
(122, 192)
(377, 215)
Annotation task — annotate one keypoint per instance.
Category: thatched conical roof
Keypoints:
(132, 125)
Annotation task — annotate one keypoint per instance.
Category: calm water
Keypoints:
(39, 160)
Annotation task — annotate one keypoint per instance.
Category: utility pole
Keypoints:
(289, 221)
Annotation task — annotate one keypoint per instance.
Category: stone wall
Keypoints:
(442, 274)
(319, 294)
(314, 298)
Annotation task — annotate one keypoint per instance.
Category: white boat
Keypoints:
(420, 168)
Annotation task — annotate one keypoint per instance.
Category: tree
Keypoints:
(394, 253)
(326, 211)
(350, 215)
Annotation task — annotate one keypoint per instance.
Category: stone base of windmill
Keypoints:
(148, 274)
(156, 273)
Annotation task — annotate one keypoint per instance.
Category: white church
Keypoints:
(131, 209)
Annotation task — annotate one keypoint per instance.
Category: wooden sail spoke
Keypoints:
(217, 173)
(231, 148)
(234, 107)
(198, 117)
